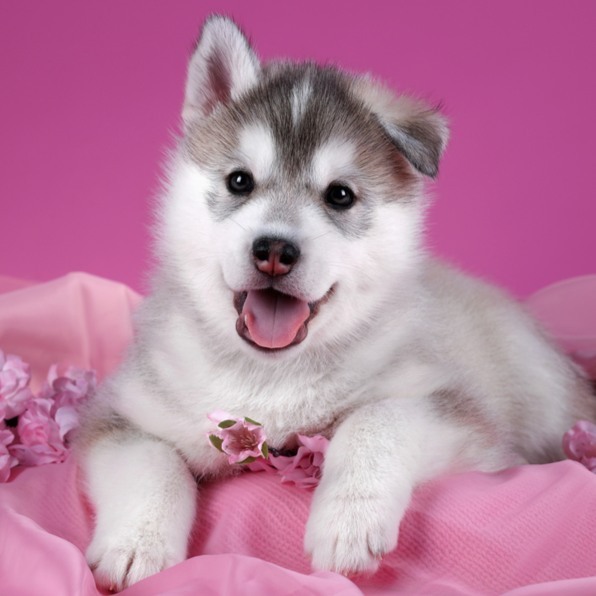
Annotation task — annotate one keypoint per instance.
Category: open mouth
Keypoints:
(270, 320)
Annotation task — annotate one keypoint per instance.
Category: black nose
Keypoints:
(274, 256)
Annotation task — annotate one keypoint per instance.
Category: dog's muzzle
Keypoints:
(268, 318)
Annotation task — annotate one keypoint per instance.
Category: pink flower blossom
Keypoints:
(579, 444)
(305, 468)
(241, 439)
(14, 390)
(40, 436)
(262, 465)
(70, 389)
(67, 419)
(68, 392)
(44, 422)
(7, 460)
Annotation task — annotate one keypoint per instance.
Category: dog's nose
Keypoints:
(274, 256)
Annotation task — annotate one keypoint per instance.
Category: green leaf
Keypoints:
(216, 442)
(248, 460)
(251, 421)
(226, 423)
(265, 450)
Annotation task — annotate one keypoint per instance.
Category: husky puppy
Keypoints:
(292, 287)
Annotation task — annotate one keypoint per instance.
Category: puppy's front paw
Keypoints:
(122, 558)
(349, 535)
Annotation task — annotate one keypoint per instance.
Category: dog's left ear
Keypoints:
(222, 67)
(420, 133)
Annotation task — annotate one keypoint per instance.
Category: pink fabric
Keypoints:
(568, 310)
(525, 531)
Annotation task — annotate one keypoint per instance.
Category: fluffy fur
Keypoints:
(410, 367)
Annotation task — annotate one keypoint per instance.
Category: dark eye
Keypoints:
(240, 183)
(339, 197)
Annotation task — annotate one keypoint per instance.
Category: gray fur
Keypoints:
(332, 111)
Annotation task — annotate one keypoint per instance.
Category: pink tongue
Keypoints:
(274, 319)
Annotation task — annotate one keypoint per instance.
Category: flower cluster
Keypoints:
(35, 428)
(579, 444)
(244, 442)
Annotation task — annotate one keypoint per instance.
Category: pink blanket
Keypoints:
(525, 531)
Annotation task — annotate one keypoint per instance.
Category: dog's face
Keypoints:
(296, 199)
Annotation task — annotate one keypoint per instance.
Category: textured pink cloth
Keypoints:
(525, 531)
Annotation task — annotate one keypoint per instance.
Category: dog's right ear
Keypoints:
(222, 67)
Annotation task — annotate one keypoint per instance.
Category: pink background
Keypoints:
(91, 92)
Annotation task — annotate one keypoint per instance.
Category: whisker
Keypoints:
(239, 225)
(319, 236)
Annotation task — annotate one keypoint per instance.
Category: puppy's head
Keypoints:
(295, 201)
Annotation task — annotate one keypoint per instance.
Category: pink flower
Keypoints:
(305, 468)
(7, 460)
(262, 465)
(67, 419)
(40, 436)
(45, 420)
(70, 389)
(579, 444)
(67, 393)
(241, 439)
(14, 390)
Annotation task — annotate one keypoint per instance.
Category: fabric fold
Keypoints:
(525, 531)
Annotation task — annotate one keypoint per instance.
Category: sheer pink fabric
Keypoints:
(568, 310)
(525, 531)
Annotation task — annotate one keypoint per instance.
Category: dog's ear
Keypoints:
(421, 137)
(419, 132)
(222, 67)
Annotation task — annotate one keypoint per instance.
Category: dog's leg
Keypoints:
(145, 499)
(374, 461)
